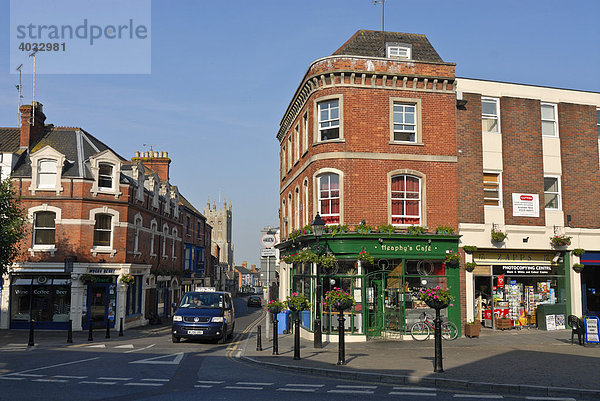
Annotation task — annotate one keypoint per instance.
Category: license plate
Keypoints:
(198, 332)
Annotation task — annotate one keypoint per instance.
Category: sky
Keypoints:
(222, 74)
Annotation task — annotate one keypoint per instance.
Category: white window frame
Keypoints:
(305, 201)
(490, 116)
(154, 229)
(319, 199)
(138, 225)
(500, 200)
(174, 232)
(297, 223)
(554, 121)
(114, 223)
(305, 132)
(317, 120)
(416, 103)
(106, 157)
(283, 159)
(296, 143)
(557, 194)
(57, 221)
(49, 168)
(420, 199)
(290, 162)
(164, 242)
(289, 213)
(399, 51)
(47, 153)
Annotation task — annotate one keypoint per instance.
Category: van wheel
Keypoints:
(175, 339)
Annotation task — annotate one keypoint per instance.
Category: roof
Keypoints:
(369, 44)
(10, 139)
(242, 270)
(189, 206)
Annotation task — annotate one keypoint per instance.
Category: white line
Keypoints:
(413, 393)
(115, 378)
(202, 386)
(550, 398)
(125, 346)
(141, 349)
(254, 384)
(477, 396)
(11, 378)
(17, 345)
(156, 380)
(357, 387)
(415, 388)
(50, 380)
(93, 382)
(54, 366)
(351, 391)
(243, 388)
(27, 375)
(69, 377)
(209, 382)
(304, 385)
(144, 384)
(304, 390)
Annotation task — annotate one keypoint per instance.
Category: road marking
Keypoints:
(351, 391)
(477, 396)
(97, 346)
(28, 375)
(358, 387)
(303, 390)
(69, 377)
(414, 388)
(209, 382)
(243, 388)
(254, 384)
(50, 380)
(144, 384)
(12, 378)
(125, 346)
(115, 378)
(156, 380)
(55, 366)
(94, 382)
(305, 385)
(203, 386)
(413, 393)
(140, 349)
(550, 398)
(154, 361)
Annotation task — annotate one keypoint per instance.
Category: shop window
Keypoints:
(42, 299)
(105, 176)
(47, 174)
(103, 230)
(549, 120)
(552, 193)
(406, 200)
(490, 114)
(329, 198)
(44, 228)
(329, 119)
(492, 194)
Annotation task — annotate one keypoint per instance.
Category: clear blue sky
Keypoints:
(223, 73)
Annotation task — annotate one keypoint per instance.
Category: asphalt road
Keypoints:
(153, 368)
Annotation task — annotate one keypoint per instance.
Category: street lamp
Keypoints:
(318, 226)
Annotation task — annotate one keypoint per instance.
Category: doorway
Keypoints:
(101, 305)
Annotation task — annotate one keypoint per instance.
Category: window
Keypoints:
(47, 174)
(305, 204)
(154, 229)
(598, 122)
(405, 128)
(297, 208)
(296, 143)
(398, 51)
(406, 200)
(329, 119)
(552, 193)
(283, 161)
(44, 228)
(549, 120)
(102, 230)
(490, 116)
(289, 153)
(164, 241)
(199, 233)
(174, 232)
(491, 189)
(306, 135)
(136, 239)
(329, 198)
(105, 176)
(187, 225)
(187, 255)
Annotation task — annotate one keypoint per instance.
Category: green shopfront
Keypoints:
(384, 290)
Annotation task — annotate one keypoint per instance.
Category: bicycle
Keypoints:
(421, 330)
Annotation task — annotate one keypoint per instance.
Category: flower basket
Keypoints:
(444, 230)
(364, 228)
(386, 228)
(436, 304)
(126, 278)
(338, 299)
(452, 259)
(578, 267)
(469, 249)
(327, 261)
(303, 256)
(472, 329)
(365, 257)
(436, 298)
(578, 251)
(416, 230)
(297, 302)
(498, 236)
(470, 266)
(275, 306)
(560, 240)
(88, 278)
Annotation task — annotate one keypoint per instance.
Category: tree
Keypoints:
(12, 224)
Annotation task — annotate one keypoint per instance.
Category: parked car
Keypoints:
(254, 301)
(205, 315)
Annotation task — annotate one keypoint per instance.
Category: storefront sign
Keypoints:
(526, 205)
(501, 280)
(499, 257)
(523, 270)
(401, 248)
(102, 271)
(591, 329)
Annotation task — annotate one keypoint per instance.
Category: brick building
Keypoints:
(95, 219)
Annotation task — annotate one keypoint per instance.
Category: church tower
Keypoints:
(220, 220)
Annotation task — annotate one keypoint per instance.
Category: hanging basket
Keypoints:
(436, 304)
(578, 267)
(344, 305)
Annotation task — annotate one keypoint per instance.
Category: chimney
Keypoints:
(157, 161)
(245, 265)
(32, 124)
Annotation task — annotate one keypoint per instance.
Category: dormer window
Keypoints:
(47, 174)
(106, 171)
(46, 170)
(105, 176)
(399, 51)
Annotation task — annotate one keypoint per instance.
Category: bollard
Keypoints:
(90, 335)
(31, 344)
(107, 329)
(275, 341)
(437, 363)
(121, 328)
(297, 336)
(258, 339)
(341, 341)
(70, 332)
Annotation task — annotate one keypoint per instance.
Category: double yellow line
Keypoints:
(233, 346)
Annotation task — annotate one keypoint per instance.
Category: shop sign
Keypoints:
(402, 248)
(526, 205)
(102, 271)
(497, 257)
(523, 270)
(591, 329)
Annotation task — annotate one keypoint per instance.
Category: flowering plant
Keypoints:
(560, 240)
(338, 299)
(327, 261)
(386, 228)
(303, 256)
(275, 306)
(87, 278)
(578, 251)
(436, 296)
(498, 236)
(470, 266)
(298, 233)
(126, 278)
(297, 302)
(452, 259)
(364, 256)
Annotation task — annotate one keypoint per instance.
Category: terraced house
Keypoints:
(106, 236)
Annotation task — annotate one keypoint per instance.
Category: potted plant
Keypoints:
(416, 230)
(470, 266)
(498, 236)
(472, 329)
(87, 278)
(297, 302)
(364, 228)
(386, 228)
(126, 278)
(560, 240)
(452, 259)
(436, 297)
(336, 229)
(275, 306)
(470, 249)
(578, 251)
(338, 299)
(578, 267)
(444, 230)
(365, 257)
(503, 323)
(327, 261)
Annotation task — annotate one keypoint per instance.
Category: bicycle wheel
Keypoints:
(449, 331)
(419, 331)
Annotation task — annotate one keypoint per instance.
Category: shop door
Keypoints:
(374, 295)
(101, 305)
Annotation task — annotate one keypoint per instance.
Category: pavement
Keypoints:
(526, 362)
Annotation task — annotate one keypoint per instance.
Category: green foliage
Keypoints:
(386, 228)
(333, 230)
(416, 230)
(578, 251)
(305, 255)
(469, 249)
(452, 259)
(275, 306)
(12, 224)
(498, 236)
(327, 261)
(364, 228)
(578, 267)
(561, 240)
(126, 278)
(297, 302)
(294, 235)
(338, 299)
(470, 266)
(364, 256)
(444, 230)
(87, 278)
(436, 294)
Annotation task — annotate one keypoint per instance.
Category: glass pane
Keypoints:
(489, 124)
(44, 236)
(334, 115)
(61, 303)
(47, 180)
(103, 221)
(44, 219)
(20, 302)
(548, 128)
(101, 238)
(547, 112)
(551, 201)
(404, 137)
(550, 184)
(106, 169)
(105, 182)
(410, 118)
(41, 310)
(47, 166)
(488, 107)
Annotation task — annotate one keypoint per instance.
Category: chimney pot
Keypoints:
(137, 153)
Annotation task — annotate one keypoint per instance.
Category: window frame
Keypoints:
(305, 132)
(106, 177)
(154, 229)
(37, 228)
(417, 123)
(40, 173)
(500, 197)
(398, 46)
(497, 116)
(96, 243)
(554, 120)
(47, 153)
(317, 120)
(420, 199)
(558, 194)
(174, 234)
(290, 162)
(138, 225)
(329, 217)
(296, 143)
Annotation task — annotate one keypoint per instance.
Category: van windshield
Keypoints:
(201, 300)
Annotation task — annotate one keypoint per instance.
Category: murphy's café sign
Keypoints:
(517, 263)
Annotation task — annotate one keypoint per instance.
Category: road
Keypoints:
(153, 368)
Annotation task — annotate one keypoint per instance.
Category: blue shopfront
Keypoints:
(100, 303)
(590, 283)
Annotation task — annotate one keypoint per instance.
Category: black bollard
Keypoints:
(121, 328)
(437, 363)
(341, 341)
(70, 332)
(258, 339)
(107, 329)
(297, 336)
(91, 335)
(30, 343)
(275, 340)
